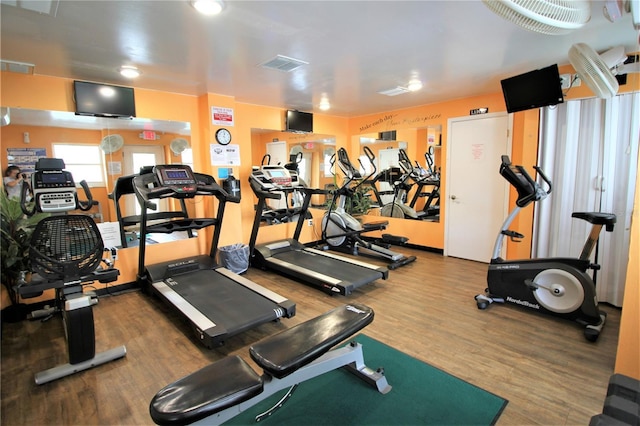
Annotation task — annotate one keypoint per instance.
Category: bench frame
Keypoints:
(350, 356)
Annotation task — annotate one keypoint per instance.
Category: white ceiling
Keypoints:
(354, 48)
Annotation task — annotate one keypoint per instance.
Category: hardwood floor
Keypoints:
(546, 369)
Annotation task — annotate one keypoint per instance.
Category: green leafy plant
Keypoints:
(358, 201)
(17, 229)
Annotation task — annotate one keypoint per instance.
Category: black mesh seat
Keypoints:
(66, 247)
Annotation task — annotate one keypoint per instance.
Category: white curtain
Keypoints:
(589, 149)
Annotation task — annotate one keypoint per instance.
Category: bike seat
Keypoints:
(597, 218)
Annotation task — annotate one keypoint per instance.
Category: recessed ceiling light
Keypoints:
(414, 85)
(208, 7)
(324, 104)
(128, 71)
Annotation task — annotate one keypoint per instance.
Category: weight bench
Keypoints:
(224, 389)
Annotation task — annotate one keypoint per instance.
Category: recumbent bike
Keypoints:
(66, 253)
(554, 286)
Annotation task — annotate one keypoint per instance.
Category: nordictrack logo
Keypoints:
(523, 303)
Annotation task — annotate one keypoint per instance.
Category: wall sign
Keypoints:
(221, 116)
(25, 158)
(479, 111)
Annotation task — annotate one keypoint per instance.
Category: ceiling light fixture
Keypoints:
(128, 71)
(208, 7)
(414, 85)
(324, 104)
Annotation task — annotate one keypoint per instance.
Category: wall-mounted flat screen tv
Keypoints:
(534, 89)
(103, 100)
(299, 121)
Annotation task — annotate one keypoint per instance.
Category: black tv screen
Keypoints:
(534, 89)
(103, 100)
(299, 121)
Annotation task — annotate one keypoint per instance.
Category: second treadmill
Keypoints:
(332, 273)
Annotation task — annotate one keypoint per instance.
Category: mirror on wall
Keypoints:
(404, 180)
(98, 150)
(308, 153)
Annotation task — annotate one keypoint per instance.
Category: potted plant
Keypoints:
(17, 229)
(358, 201)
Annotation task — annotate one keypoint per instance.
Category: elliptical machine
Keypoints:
(553, 286)
(66, 252)
(344, 232)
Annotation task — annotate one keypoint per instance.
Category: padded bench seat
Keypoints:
(231, 380)
(213, 388)
(284, 353)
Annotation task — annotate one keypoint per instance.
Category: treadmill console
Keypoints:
(273, 178)
(178, 177)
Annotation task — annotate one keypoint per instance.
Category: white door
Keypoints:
(134, 157)
(278, 152)
(477, 196)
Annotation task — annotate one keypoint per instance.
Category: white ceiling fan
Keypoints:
(598, 71)
(178, 145)
(552, 17)
(111, 143)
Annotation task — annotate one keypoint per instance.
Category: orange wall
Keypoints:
(50, 93)
(628, 356)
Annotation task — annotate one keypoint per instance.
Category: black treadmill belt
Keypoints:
(224, 301)
(343, 271)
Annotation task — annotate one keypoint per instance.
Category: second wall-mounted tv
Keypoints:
(297, 121)
(103, 100)
(538, 88)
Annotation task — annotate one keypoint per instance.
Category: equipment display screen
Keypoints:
(53, 178)
(176, 174)
(277, 173)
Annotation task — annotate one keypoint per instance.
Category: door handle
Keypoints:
(453, 197)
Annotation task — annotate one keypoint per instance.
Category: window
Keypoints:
(187, 157)
(83, 161)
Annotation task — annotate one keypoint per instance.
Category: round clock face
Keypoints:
(223, 136)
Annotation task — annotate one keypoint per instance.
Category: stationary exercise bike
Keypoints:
(66, 252)
(344, 232)
(554, 286)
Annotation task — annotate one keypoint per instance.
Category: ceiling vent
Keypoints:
(394, 92)
(19, 67)
(45, 7)
(284, 63)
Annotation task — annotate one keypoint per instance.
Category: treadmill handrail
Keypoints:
(146, 190)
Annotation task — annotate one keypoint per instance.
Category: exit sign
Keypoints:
(479, 111)
(148, 135)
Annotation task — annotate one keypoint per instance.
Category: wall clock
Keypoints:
(223, 136)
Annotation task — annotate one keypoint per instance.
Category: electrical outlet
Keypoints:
(310, 222)
(577, 82)
(568, 81)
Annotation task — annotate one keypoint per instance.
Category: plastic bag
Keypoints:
(235, 257)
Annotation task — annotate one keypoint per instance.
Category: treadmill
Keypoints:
(216, 302)
(331, 273)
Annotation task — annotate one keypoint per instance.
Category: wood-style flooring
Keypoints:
(544, 366)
